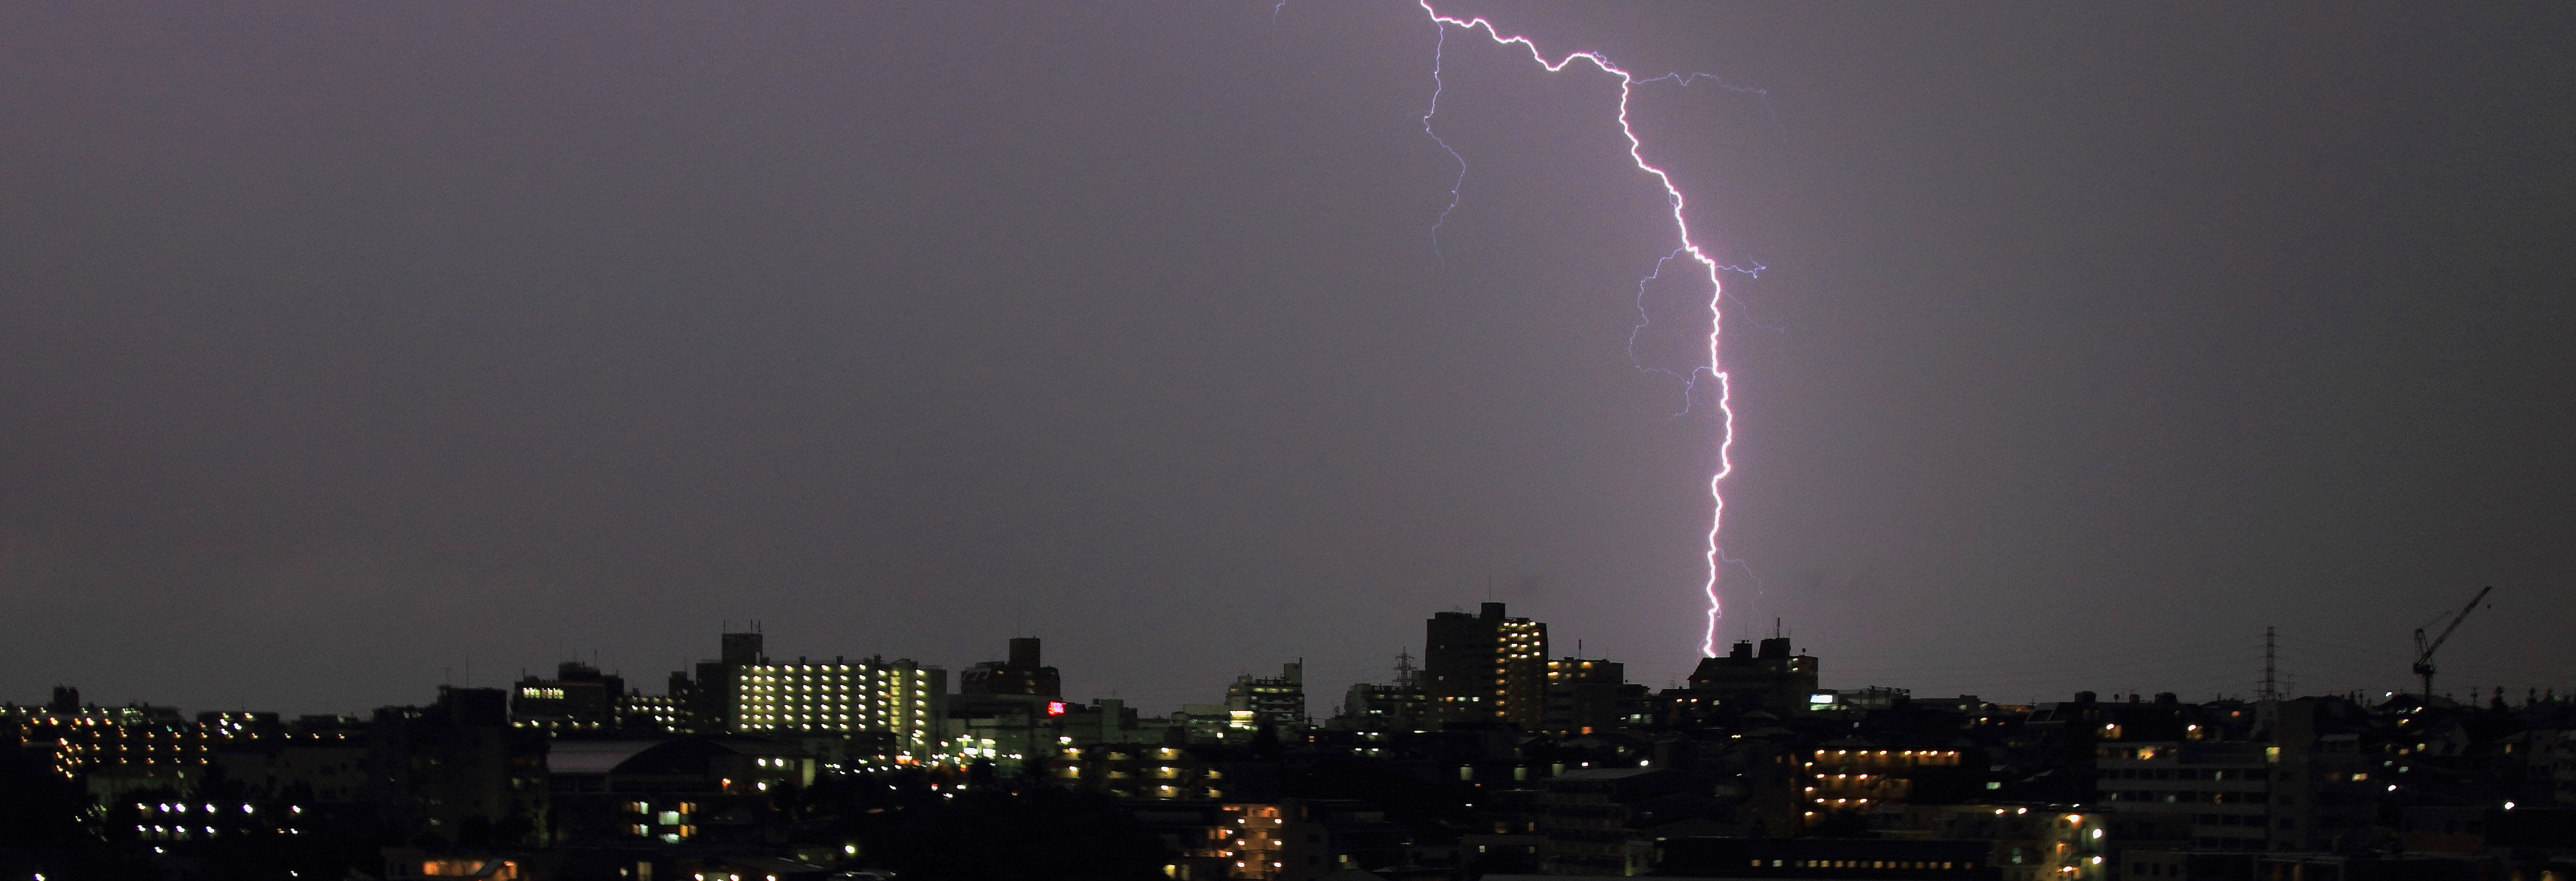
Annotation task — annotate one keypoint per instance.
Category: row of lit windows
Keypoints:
(1868, 864)
(185, 808)
(1886, 757)
(676, 815)
(806, 672)
(1859, 781)
(807, 695)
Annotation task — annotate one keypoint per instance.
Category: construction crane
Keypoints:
(2424, 651)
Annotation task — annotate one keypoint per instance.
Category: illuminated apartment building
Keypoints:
(1136, 771)
(842, 696)
(653, 712)
(1279, 703)
(1485, 668)
(129, 748)
(1842, 779)
(1268, 842)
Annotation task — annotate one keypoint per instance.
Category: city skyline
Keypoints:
(351, 346)
(2280, 662)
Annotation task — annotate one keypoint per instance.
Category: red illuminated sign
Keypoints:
(1055, 708)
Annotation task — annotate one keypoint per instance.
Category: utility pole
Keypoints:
(2269, 692)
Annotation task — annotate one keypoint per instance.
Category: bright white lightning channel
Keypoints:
(1681, 227)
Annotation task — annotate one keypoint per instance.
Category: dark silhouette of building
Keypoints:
(1022, 674)
(713, 702)
(579, 698)
(720, 789)
(1772, 679)
(1396, 706)
(1485, 667)
(437, 772)
(1587, 695)
(1592, 818)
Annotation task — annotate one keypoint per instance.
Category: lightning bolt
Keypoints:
(1714, 369)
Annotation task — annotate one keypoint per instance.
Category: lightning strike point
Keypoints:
(1681, 227)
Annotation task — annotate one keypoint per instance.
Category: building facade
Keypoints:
(1486, 667)
(578, 699)
(1279, 702)
(843, 696)
(1771, 679)
(1588, 695)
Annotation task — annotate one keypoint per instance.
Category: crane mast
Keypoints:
(2424, 650)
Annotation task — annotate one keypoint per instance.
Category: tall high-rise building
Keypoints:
(1485, 667)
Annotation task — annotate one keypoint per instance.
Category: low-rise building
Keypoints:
(1594, 819)
(1771, 678)
(1137, 771)
(698, 789)
(1279, 702)
(578, 699)
(1587, 695)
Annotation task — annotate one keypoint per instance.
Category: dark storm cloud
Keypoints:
(350, 346)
